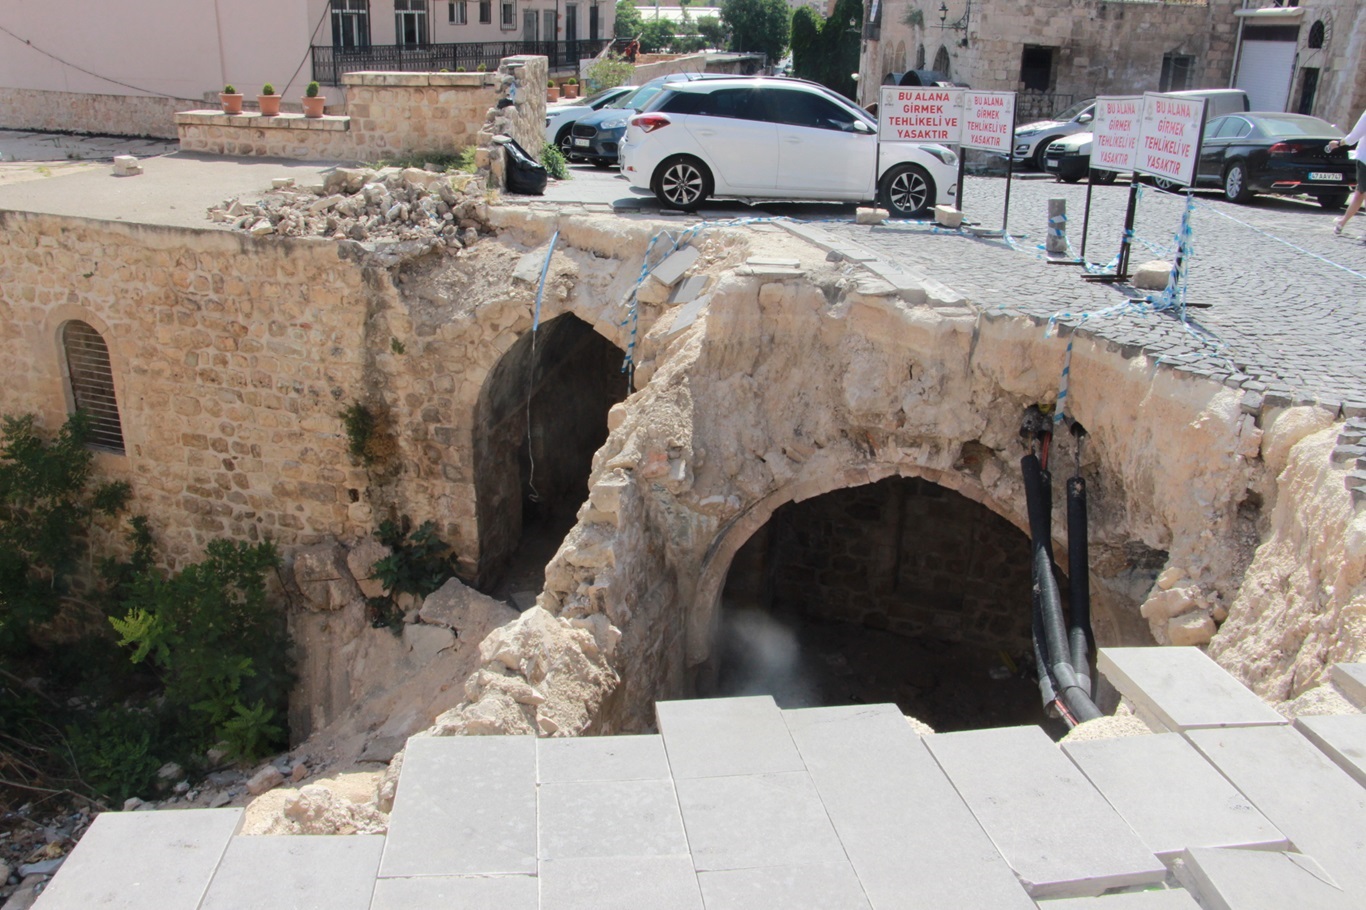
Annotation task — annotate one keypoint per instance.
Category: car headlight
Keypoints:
(614, 124)
(1023, 134)
(945, 155)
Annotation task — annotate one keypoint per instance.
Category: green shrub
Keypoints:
(267, 89)
(114, 752)
(311, 90)
(554, 162)
(609, 72)
(229, 89)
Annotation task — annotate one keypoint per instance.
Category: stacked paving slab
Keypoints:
(737, 805)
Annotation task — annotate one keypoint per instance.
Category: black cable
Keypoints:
(146, 91)
(308, 52)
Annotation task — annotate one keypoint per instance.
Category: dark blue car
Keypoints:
(595, 137)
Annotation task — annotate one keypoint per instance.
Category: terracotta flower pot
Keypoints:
(313, 107)
(570, 90)
(270, 105)
(552, 94)
(232, 103)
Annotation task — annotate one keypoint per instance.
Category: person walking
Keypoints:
(1353, 138)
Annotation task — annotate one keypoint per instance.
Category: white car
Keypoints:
(561, 116)
(1032, 139)
(767, 138)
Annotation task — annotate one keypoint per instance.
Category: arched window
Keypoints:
(941, 62)
(90, 380)
(1316, 34)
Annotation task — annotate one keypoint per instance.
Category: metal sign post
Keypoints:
(1114, 141)
(989, 125)
(921, 114)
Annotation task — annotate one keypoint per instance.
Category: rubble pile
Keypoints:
(390, 204)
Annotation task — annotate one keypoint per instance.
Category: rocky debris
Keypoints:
(317, 810)
(1122, 723)
(268, 778)
(33, 847)
(322, 575)
(360, 561)
(470, 614)
(1181, 611)
(387, 205)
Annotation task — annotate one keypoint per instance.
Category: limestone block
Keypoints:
(322, 576)
(461, 608)
(1152, 276)
(346, 180)
(1165, 604)
(870, 215)
(268, 778)
(948, 216)
(360, 562)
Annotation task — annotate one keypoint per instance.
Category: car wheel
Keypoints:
(1333, 201)
(1041, 152)
(1104, 178)
(1162, 183)
(1070, 177)
(1235, 183)
(565, 142)
(681, 182)
(907, 190)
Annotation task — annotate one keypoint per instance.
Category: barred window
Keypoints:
(90, 379)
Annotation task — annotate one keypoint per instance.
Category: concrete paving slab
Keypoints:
(688, 289)
(465, 805)
(1351, 679)
(726, 736)
(908, 834)
(1342, 737)
(818, 886)
(1171, 796)
(1183, 688)
(610, 818)
(675, 264)
(1317, 804)
(689, 313)
(756, 820)
(143, 861)
(601, 758)
(1262, 880)
(635, 883)
(445, 892)
(1167, 899)
(1017, 782)
(296, 873)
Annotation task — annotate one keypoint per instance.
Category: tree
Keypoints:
(628, 22)
(758, 25)
(657, 35)
(712, 31)
(806, 36)
(827, 52)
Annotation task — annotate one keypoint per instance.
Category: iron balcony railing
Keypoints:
(329, 62)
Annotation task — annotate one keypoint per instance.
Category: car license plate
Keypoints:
(1337, 177)
(581, 143)
(1050, 162)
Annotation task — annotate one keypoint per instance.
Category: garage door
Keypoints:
(1264, 72)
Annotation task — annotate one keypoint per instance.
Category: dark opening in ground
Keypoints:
(900, 591)
(541, 415)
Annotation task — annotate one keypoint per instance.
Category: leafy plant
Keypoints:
(114, 751)
(553, 161)
(218, 645)
(417, 563)
(229, 89)
(609, 72)
(267, 89)
(46, 503)
(311, 91)
(397, 346)
(481, 68)
(360, 425)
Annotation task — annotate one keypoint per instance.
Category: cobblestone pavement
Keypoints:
(1279, 300)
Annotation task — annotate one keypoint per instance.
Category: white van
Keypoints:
(1069, 158)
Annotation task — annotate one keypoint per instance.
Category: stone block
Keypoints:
(1341, 737)
(1182, 688)
(674, 265)
(818, 886)
(1313, 801)
(688, 314)
(726, 736)
(864, 215)
(471, 614)
(1261, 880)
(756, 820)
(1351, 679)
(634, 883)
(947, 216)
(907, 833)
(1152, 276)
(1171, 796)
(592, 819)
(1015, 778)
(601, 758)
(125, 861)
(296, 872)
(466, 805)
(126, 166)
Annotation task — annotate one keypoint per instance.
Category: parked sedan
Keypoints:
(767, 138)
(560, 116)
(595, 137)
(1281, 154)
(1070, 158)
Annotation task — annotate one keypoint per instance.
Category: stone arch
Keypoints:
(540, 416)
(1316, 35)
(90, 388)
(920, 56)
(942, 63)
(900, 56)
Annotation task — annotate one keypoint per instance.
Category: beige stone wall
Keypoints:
(1102, 47)
(112, 115)
(1341, 95)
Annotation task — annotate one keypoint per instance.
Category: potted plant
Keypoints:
(231, 99)
(313, 102)
(269, 101)
(570, 89)
(552, 91)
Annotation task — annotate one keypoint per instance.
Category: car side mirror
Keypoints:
(1085, 118)
(861, 127)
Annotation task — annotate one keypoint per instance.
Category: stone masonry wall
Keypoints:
(112, 115)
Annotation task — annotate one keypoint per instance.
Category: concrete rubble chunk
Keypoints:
(947, 216)
(1182, 688)
(1152, 275)
(268, 778)
(459, 607)
(1262, 880)
(863, 215)
(674, 265)
(1011, 778)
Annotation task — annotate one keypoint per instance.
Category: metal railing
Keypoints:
(329, 62)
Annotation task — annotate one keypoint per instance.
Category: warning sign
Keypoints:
(919, 114)
(1169, 142)
(1116, 130)
(989, 121)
